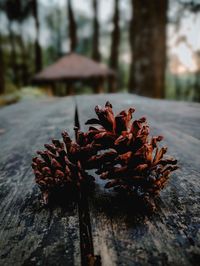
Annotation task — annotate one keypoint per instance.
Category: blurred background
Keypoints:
(151, 48)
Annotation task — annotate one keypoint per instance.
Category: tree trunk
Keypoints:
(59, 38)
(13, 56)
(72, 28)
(38, 52)
(148, 47)
(115, 41)
(24, 64)
(95, 43)
(2, 80)
(197, 78)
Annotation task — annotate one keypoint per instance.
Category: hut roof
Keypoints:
(73, 66)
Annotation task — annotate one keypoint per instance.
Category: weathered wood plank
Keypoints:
(29, 234)
(171, 236)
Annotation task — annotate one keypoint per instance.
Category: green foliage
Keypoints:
(180, 87)
(7, 99)
(10, 88)
(32, 92)
(13, 94)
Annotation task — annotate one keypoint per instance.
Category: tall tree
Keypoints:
(16, 11)
(23, 13)
(24, 58)
(38, 51)
(54, 22)
(2, 72)
(11, 9)
(148, 47)
(115, 41)
(95, 42)
(72, 27)
(197, 78)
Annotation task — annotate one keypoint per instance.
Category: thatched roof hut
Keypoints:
(72, 68)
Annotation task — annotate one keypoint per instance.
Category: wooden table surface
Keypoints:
(32, 235)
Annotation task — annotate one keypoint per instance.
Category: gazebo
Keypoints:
(73, 68)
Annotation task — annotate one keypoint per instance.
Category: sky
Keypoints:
(184, 48)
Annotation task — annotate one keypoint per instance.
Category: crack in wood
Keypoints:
(86, 241)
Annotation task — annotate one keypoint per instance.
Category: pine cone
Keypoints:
(135, 164)
(120, 150)
(59, 167)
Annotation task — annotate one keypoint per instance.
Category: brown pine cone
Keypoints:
(120, 150)
(135, 164)
(59, 167)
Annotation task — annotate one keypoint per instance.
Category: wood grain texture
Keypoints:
(29, 234)
(171, 236)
